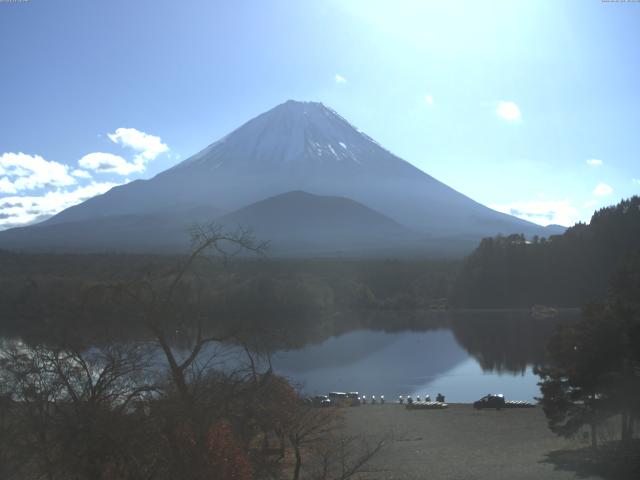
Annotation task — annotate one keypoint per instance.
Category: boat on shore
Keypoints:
(426, 406)
(518, 404)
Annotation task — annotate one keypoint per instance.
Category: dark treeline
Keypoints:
(38, 291)
(564, 270)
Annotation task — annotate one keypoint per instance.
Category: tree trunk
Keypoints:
(594, 438)
(282, 444)
(627, 428)
(296, 472)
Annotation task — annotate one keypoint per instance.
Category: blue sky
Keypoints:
(530, 107)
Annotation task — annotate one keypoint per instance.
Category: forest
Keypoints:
(563, 271)
(40, 291)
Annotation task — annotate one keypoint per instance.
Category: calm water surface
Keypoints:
(463, 355)
(468, 356)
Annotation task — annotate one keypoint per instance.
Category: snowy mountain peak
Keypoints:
(292, 133)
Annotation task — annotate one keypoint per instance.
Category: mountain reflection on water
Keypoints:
(463, 354)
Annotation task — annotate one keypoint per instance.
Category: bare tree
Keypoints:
(172, 304)
(161, 313)
(74, 414)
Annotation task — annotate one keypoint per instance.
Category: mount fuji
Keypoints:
(299, 175)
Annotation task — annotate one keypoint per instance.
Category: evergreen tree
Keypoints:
(595, 364)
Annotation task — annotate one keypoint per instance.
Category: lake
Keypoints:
(464, 356)
(461, 354)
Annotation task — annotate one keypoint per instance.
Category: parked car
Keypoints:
(339, 399)
(355, 398)
(321, 401)
(490, 401)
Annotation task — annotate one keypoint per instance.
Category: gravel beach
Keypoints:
(460, 443)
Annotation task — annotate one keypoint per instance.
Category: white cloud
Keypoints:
(428, 99)
(81, 173)
(109, 163)
(602, 189)
(148, 148)
(23, 210)
(594, 162)
(6, 186)
(542, 212)
(19, 171)
(340, 79)
(509, 111)
(636, 181)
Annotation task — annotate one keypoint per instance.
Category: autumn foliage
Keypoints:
(226, 457)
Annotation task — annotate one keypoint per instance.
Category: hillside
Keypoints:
(564, 270)
(301, 222)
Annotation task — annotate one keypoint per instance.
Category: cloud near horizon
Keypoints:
(542, 212)
(20, 171)
(27, 209)
(602, 189)
(509, 111)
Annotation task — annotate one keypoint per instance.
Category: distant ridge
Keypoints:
(299, 220)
